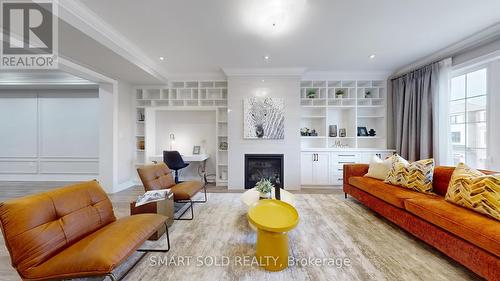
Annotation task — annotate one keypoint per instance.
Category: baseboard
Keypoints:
(125, 185)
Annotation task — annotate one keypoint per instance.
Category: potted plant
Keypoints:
(264, 187)
(304, 132)
(311, 93)
(368, 94)
(339, 94)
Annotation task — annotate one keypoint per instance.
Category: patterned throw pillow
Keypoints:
(472, 189)
(416, 175)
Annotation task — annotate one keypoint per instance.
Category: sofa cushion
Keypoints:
(186, 190)
(379, 169)
(391, 194)
(475, 228)
(100, 252)
(416, 175)
(474, 190)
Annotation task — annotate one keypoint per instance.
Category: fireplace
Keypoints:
(259, 166)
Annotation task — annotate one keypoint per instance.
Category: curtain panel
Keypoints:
(418, 123)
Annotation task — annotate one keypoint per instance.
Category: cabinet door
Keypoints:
(321, 169)
(306, 168)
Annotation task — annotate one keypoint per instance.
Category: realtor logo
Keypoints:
(29, 34)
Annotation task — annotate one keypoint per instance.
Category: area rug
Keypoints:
(336, 239)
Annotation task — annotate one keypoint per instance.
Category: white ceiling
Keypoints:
(323, 35)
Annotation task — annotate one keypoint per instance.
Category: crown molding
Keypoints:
(265, 72)
(479, 38)
(81, 17)
(346, 75)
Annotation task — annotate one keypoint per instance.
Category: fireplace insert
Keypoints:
(267, 166)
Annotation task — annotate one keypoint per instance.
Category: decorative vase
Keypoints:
(263, 195)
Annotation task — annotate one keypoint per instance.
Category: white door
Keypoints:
(321, 168)
(306, 168)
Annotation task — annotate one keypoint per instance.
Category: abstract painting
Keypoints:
(264, 118)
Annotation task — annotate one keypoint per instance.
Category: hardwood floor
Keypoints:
(330, 227)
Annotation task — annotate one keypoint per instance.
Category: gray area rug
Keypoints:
(336, 239)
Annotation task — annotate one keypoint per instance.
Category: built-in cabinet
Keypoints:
(315, 168)
(326, 167)
(327, 106)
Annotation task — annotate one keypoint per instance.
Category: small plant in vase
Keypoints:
(339, 94)
(368, 95)
(264, 187)
(311, 94)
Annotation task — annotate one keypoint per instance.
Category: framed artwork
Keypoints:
(263, 118)
(362, 132)
(196, 150)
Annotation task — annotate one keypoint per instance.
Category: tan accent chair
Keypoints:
(159, 176)
(71, 232)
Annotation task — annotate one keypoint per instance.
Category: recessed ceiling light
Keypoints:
(372, 56)
(263, 80)
(162, 58)
(266, 57)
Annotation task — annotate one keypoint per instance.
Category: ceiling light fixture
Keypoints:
(266, 57)
(273, 17)
(162, 58)
(372, 56)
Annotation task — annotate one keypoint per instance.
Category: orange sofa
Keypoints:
(71, 232)
(468, 237)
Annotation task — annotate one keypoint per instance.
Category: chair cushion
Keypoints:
(186, 190)
(156, 176)
(100, 252)
(391, 194)
(475, 228)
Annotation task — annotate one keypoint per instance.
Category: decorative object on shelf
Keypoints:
(362, 132)
(141, 144)
(141, 117)
(223, 145)
(372, 133)
(332, 131)
(339, 94)
(304, 132)
(196, 150)
(339, 144)
(313, 133)
(368, 95)
(311, 94)
(343, 133)
(264, 118)
(264, 187)
(223, 175)
(172, 141)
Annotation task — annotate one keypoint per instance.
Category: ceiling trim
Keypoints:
(272, 72)
(84, 19)
(346, 75)
(482, 37)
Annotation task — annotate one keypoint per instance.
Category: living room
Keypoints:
(248, 140)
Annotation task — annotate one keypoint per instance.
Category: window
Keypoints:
(468, 122)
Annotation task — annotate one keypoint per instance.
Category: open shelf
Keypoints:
(348, 104)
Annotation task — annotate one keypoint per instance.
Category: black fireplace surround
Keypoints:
(259, 166)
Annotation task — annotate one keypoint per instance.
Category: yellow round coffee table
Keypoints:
(273, 219)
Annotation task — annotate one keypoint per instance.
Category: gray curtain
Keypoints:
(413, 96)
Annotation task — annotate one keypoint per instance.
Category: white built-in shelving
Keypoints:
(188, 95)
(362, 104)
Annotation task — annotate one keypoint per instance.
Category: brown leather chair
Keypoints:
(159, 176)
(71, 232)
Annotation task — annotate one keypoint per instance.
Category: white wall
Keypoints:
(125, 144)
(190, 128)
(287, 88)
(49, 134)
